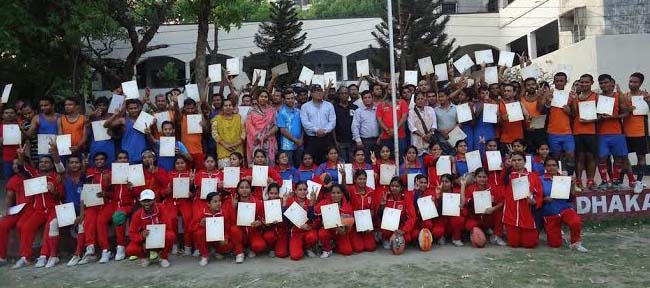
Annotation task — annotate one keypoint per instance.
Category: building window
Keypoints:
(449, 8)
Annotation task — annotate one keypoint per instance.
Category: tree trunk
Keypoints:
(200, 66)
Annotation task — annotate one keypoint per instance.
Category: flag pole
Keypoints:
(391, 53)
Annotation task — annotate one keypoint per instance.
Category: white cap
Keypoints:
(147, 194)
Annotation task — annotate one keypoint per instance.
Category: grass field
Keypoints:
(618, 257)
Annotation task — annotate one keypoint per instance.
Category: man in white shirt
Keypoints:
(422, 124)
(318, 119)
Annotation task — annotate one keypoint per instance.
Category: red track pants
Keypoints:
(343, 243)
(521, 237)
(30, 224)
(362, 241)
(278, 238)
(455, 225)
(137, 248)
(437, 226)
(203, 245)
(553, 227)
(247, 236)
(185, 209)
(484, 221)
(6, 224)
(408, 236)
(301, 240)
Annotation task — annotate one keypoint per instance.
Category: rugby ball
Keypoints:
(397, 244)
(478, 238)
(425, 239)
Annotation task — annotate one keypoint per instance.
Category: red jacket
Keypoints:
(519, 213)
(204, 174)
(140, 220)
(369, 200)
(430, 162)
(15, 184)
(344, 209)
(259, 209)
(170, 186)
(48, 199)
(102, 177)
(157, 181)
(258, 192)
(496, 192)
(405, 204)
(202, 211)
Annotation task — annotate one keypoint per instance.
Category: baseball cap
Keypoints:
(147, 194)
(316, 87)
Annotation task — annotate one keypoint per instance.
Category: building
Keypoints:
(581, 36)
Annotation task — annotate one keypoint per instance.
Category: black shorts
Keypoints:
(586, 144)
(638, 145)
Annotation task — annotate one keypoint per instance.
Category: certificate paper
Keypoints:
(506, 58)
(44, 143)
(296, 214)
(245, 213)
(490, 112)
(143, 122)
(494, 160)
(363, 220)
(520, 188)
(441, 72)
(514, 112)
(456, 135)
(306, 75)
(410, 181)
(313, 187)
(390, 219)
(167, 146)
(262, 76)
(640, 106)
(331, 216)
(450, 204)
(370, 179)
(100, 133)
(605, 105)
(491, 75)
(116, 103)
(587, 110)
(119, 173)
(560, 98)
(230, 177)
(484, 57)
(473, 160)
(194, 124)
(65, 214)
(63, 143)
(208, 185)
(130, 89)
(482, 201)
(272, 211)
(427, 208)
(214, 73)
(426, 66)
(464, 113)
(214, 229)
(156, 237)
(561, 187)
(363, 68)
(386, 173)
(464, 63)
(443, 165)
(260, 176)
(11, 134)
(192, 92)
(35, 186)
(181, 187)
(280, 69)
(89, 195)
(329, 77)
(232, 65)
(5, 93)
(411, 77)
(349, 174)
(136, 175)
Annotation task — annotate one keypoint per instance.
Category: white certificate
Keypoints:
(5, 93)
(313, 187)
(35, 186)
(44, 143)
(214, 73)
(241, 81)
(390, 219)
(262, 76)
(116, 103)
(192, 92)
(143, 122)
(456, 135)
(260, 176)
(318, 79)
(100, 133)
(587, 110)
(463, 63)
(441, 72)
(473, 160)
(427, 208)
(194, 124)
(232, 65)
(245, 213)
(531, 71)
(426, 66)
(386, 173)
(605, 105)
(272, 211)
(490, 112)
(161, 118)
(65, 214)
(13, 210)
(443, 165)
(491, 75)
(514, 112)
(63, 143)
(214, 229)
(181, 187)
(370, 178)
(349, 174)
(506, 58)
(119, 173)
(363, 220)
(230, 177)
(243, 112)
(331, 216)
(306, 75)
(208, 185)
(363, 68)
(296, 214)
(538, 122)
(450, 204)
(410, 181)
(482, 201)
(411, 77)
(89, 195)
(494, 160)
(11, 134)
(130, 89)
(330, 77)
(464, 113)
(286, 188)
(561, 187)
(484, 57)
(167, 146)
(156, 237)
(520, 188)
(560, 98)
(529, 163)
(640, 106)
(280, 69)
(136, 175)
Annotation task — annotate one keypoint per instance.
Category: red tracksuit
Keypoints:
(343, 241)
(437, 225)
(484, 221)
(556, 213)
(277, 236)
(258, 192)
(249, 235)
(430, 162)
(302, 239)
(120, 198)
(40, 213)
(404, 202)
(380, 189)
(173, 207)
(243, 174)
(456, 224)
(92, 214)
(369, 199)
(139, 222)
(8, 222)
(198, 178)
(518, 216)
(157, 181)
(202, 211)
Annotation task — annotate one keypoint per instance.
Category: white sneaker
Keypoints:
(144, 262)
(310, 253)
(120, 253)
(638, 187)
(386, 244)
(578, 247)
(22, 262)
(457, 243)
(175, 249)
(52, 262)
(496, 240)
(239, 258)
(272, 254)
(197, 253)
(164, 263)
(326, 254)
(73, 261)
(106, 256)
(218, 256)
(441, 241)
(40, 262)
(204, 261)
(187, 251)
(251, 254)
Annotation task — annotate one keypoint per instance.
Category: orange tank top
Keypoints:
(75, 129)
(510, 131)
(531, 107)
(559, 122)
(634, 125)
(612, 126)
(580, 128)
(192, 141)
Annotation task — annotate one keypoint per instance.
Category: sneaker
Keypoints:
(441, 241)
(40, 262)
(496, 240)
(386, 244)
(87, 259)
(604, 186)
(120, 253)
(3, 262)
(457, 243)
(638, 187)
(204, 261)
(187, 251)
(197, 253)
(310, 253)
(218, 256)
(578, 247)
(153, 255)
(175, 249)
(144, 262)
(106, 256)
(133, 258)
(52, 262)
(272, 254)
(164, 263)
(250, 254)
(73, 261)
(22, 262)
(239, 258)
(326, 254)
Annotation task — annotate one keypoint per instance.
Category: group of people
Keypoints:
(307, 137)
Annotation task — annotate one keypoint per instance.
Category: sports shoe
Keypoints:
(175, 249)
(144, 262)
(22, 262)
(578, 247)
(204, 261)
(604, 185)
(197, 253)
(73, 261)
(250, 254)
(496, 240)
(310, 253)
(153, 255)
(52, 262)
(3, 262)
(120, 253)
(638, 187)
(164, 263)
(187, 251)
(272, 254)
(106, 256)
(40, 262)
(457, 243)
(218, 256)
(326, 254)
(441, 241)
(133, 258)
(239, 258)
(386, 244)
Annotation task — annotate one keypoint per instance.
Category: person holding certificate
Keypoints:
(272, 176)
(133, 140)
(330, 167)
(486, 130)
(179, 149)
(490, 218)
(411, 165)
(261, 128)
(73, 182)
(304, 237)
(460, 162)
(155, 178)
(422, 123)
(176, 201)
(228, 132)
(74, 123)
(95, 145)
(306, 170)
(431, 160)
(611, 141)
(534, 99)
(363, 198)
(150, 213)
(510, 131)
(9, 151)
(455, 224)
(251, 234)
(436, 225)
(192, 140)
(635, 131)
(276, 234)
(210, 172)
(283, 166)
(397, 198)
(584, 132)
(560, 135)
(359, 160)
(386, 160)
(15, 198)
(213, 207)
(339, 234)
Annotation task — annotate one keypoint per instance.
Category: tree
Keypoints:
(418, 30)
(281, 38)
(323, 9)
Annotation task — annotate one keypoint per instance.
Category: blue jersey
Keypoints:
(73, 191)
(133, 141)
(557, 205)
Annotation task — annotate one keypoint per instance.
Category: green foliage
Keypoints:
(323, 9)
(168, 75)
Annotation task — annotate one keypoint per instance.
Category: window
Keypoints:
(449, 8)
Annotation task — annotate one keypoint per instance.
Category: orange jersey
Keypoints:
(634, 125)
(192, 141)
(559, 122)
(612, 126)
(75, 129)
(510, 131)
(583, 128)
(531, 107)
